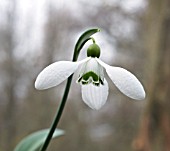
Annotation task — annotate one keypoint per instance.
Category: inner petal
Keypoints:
(95, 96)
(91, 72)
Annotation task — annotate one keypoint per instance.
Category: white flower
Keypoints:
(91, 78)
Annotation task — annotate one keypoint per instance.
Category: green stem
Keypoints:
(60, 108)
(58, 114)
(93, 40)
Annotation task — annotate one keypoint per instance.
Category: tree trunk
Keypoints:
(154, 132)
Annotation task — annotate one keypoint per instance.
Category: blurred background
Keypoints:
(134, 35)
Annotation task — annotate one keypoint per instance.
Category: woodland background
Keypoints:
(134, 35)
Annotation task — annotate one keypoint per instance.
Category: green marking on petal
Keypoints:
(87, 75)
(90, 77)
(85, 82)
(101, 81)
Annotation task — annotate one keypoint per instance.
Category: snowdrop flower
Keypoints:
(94, 86)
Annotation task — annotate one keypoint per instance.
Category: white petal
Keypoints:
(56, 73)
(95, 96)
(125, 81)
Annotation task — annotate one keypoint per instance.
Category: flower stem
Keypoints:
(58, 114)
(60, 108)
(93, 40)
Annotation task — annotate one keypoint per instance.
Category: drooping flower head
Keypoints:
(94, 86)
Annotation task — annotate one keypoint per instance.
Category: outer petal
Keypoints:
(95, 96)
(56, 73)
(125, 81)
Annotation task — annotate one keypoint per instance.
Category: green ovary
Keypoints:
(93, 51)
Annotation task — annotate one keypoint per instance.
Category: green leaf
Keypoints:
(84, 38)
(34, 141)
